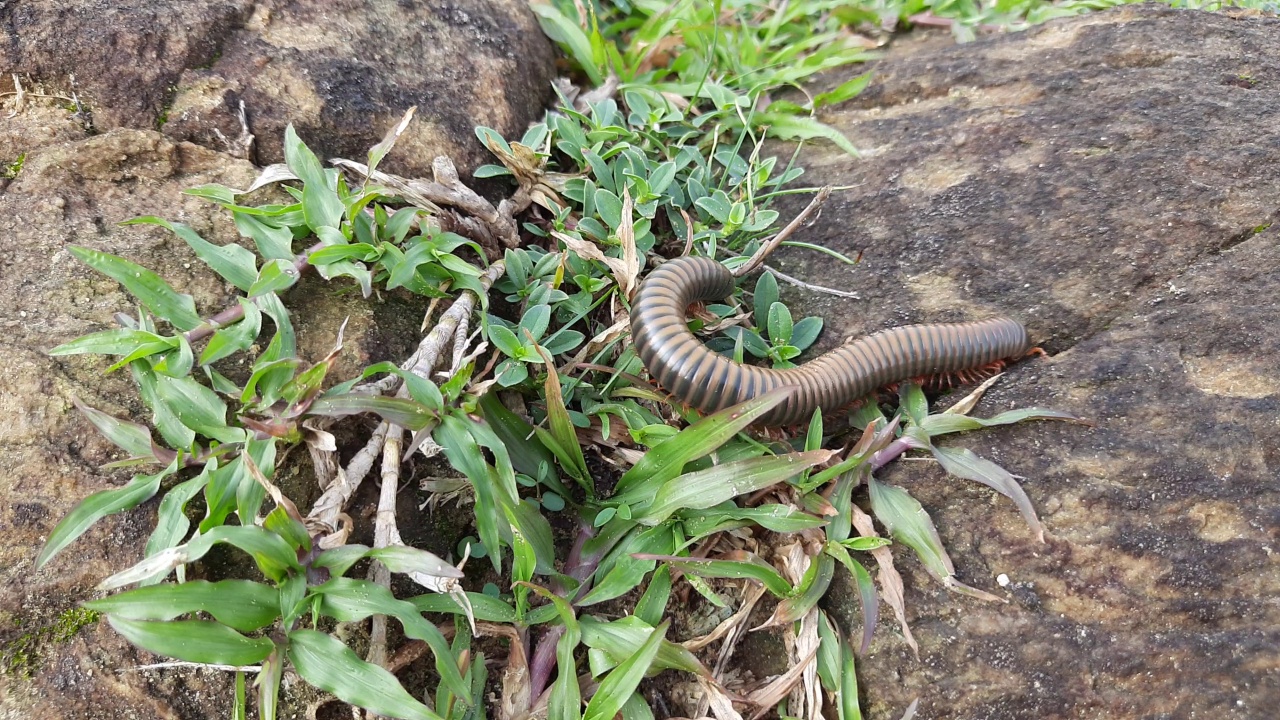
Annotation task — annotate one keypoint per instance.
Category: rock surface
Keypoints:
(1107, 184)
(341, 72)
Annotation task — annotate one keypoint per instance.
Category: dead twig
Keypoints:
(432, 346)
(810, 286)
(492, 227)
(772, 243)
(385, 534)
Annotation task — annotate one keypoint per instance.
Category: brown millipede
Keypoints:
(709, 381)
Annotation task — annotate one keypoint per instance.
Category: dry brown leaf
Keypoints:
(754, 591)
(891, 588)
(721, 705)
(807, 696)
(602, 338)
(277, 495)
(966, 405)
(515, 701)
(389, 140)
(767, 697)
(589, 251)
(337, 537)
(627, 237)
(20, 96)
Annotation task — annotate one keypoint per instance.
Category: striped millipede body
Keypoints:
(708, 381)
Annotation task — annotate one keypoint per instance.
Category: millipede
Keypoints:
(709, 381)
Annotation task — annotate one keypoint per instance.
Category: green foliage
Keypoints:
(723, 58)
(778, 337)
(9, 171)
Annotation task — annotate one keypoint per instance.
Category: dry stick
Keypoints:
(427, 356)
(330, 505)
(751, 594)
(385, 531)
(772, 243)
(432, 346)
(460, 344)
(485, 224)
(384, 535)
(810, 286)
(201, 666)
(326, 514)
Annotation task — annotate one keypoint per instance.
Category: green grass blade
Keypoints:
(132, 344)
(717, 484)
(625, 678)
(622, 638)
(153, 292)
(565, 437)
(727, 516)
(485, 608)
(961, 462)
(813, 586)
(198, 641)
(405, 413)
(99, 505)
(131, 437)
(243, 605)
(233, 263)
(910, 525)
(668, 458)
(945, 423)
(349, 600)
(331, 666)
(739, 565)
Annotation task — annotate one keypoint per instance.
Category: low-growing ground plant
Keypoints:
(526, 386)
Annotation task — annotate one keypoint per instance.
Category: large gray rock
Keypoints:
(341, 72)
(1104, 179)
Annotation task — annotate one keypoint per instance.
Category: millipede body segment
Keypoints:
(709, 381)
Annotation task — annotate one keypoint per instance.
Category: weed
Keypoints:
(11, 170)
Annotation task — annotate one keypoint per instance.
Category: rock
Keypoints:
(1101, 178)
(122, 58)
(76, 192)
(342, 72)
(1108, 185)
(1049, 174)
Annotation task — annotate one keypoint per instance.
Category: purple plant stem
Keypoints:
(579, 568)
(235, 313)
(889, 453)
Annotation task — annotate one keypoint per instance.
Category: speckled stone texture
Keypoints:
(1105, 179)
(342, 72)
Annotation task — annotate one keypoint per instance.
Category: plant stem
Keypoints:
(579, 568)
(235, 313)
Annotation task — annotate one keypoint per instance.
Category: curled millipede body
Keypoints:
(709, 381)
